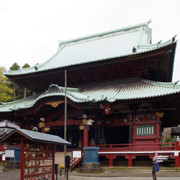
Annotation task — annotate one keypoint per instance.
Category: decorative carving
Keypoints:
(55, 104)
(159, 114)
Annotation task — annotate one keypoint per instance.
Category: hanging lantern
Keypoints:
(125, 120)
(41, 125)
(42, 119)
(84, 121)
(107, 111)
(107, 108)
(144, 118)
(85, 116)
(46, 129)
(81, 127)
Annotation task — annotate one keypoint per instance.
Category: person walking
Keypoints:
(154, 168)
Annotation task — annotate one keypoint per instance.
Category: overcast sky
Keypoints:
(31, 29)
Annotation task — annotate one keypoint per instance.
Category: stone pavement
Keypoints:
(116, 173)
(118, 178)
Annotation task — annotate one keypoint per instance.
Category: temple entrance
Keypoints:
(73, 135)
(117, 135)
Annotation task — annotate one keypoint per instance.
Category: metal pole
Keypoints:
(22, 159)
(56, 175)
(65, 112)
(14, 160)
(67, 174)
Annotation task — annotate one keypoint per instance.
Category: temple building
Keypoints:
(120, 90)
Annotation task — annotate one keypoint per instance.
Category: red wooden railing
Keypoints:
(136, 147)
(130, 151)
(74, 162)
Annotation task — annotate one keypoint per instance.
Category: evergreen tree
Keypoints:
(26, 65)
(19, 91)
(27, 92)
(6, 93)
(14, 67)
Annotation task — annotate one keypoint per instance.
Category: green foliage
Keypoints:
(19, 90)
(9, 90)
(170, 139)
(6, 92)
(26, 65)
(14, 67)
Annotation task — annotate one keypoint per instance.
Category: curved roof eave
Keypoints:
(124, 90)
(141, 49)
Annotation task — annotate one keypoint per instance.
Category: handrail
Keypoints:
(74, 162)
(135, 146)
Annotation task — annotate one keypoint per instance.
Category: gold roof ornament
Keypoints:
(159, 114)
(55, 104)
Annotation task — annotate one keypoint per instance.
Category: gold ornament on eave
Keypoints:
(159, 114)
(55, 104)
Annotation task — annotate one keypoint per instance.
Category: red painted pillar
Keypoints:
(177, 161)
(111, 157)
(157, 132)
(22, 160)
(130, 160)
(85, 140)
(110, 160)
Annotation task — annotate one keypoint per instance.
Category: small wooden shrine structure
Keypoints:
(37, 150)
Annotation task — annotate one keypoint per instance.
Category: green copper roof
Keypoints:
(129, 89)
(122, 42)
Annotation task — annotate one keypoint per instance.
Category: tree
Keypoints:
(27, 92)
(14, 67)
(26, 65)
(6, 93)
(19, 91)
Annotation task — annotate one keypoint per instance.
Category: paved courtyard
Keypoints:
(108, 174)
